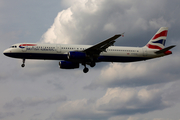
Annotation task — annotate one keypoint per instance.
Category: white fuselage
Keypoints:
(73, 55)
(60, 51)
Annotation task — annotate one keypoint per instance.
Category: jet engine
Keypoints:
(68, 65)
(74, 55)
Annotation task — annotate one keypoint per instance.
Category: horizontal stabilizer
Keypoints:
(165, 49)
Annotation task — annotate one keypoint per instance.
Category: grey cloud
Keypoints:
(93, 21)
(138, 74)
(6, 115)
(30, 102)
(89, 22)
(116, 101)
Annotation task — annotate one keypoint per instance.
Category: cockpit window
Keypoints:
(13, 47)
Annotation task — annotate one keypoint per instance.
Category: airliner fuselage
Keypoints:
(73, 55)
(60, 52)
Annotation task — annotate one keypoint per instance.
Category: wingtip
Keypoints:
(173, 46)
(123, 34)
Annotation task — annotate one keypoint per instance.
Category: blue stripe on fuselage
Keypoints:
(64, 57)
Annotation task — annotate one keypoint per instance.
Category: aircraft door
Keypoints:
(58, 48)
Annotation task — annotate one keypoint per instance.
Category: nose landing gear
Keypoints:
(23, 65)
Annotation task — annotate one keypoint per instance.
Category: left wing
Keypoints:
(102, 46)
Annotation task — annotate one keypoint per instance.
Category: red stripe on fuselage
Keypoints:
(153, 46)
(161, 34)
(28, 45)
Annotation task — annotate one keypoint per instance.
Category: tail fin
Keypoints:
(159, 39)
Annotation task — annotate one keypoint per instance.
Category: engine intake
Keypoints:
(68, 65)
(74, 55)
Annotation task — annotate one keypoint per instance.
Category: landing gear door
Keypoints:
(58, 48)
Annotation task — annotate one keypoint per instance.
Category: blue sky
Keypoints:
(147, 90)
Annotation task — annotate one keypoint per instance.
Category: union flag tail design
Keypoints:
(159, 39)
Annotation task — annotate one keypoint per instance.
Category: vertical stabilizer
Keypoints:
(159, 39)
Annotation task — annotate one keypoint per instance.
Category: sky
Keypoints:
(146, 90)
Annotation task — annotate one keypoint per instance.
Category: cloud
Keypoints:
(6, 114)
(138, 74)
(130, 91)
(116, 101)
(88, 21)
(130, 101)
(30, 102)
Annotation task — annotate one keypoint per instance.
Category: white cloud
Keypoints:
(84, 19)
(116, 101)
(89, 22)
(138, 74)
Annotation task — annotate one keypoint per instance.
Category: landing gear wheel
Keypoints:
(85, 70)
(23, 65)
(92, 64)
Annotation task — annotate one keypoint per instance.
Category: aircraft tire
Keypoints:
(93, 64)
(85, 70)
(23, 65)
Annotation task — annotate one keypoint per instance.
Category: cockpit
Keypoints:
(14, 46)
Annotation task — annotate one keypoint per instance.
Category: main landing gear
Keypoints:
(85, 70)
(23, 65)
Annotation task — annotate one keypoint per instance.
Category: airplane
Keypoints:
(72, 56)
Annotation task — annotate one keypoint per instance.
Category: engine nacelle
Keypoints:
(74, 55)
(68, 65)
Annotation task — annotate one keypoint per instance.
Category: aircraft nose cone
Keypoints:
(5, 52)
